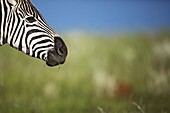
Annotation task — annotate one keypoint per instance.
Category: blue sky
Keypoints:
(105, 15)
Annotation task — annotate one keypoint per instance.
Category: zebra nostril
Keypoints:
(60, 51)
(60, 47)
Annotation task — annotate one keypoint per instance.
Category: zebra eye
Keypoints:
(30, 19)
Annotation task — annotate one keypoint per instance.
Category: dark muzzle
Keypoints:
(58, 54)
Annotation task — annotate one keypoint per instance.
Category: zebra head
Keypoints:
(32, 34)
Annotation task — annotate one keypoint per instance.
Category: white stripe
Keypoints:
(2, 10)
(19, 38)
(45, 51)
(13, 29)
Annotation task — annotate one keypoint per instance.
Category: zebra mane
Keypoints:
(21, 0)
(18, 1)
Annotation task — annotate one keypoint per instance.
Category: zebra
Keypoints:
(24, 28)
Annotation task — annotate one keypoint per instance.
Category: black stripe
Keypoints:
(47, 46)
(13, 21)
(4, 24)
(0, 18)
(17, 36)
(30, 32)
(8, 26)
(43, 56)
(40, 42)
(45, 28)
(36, 37)
(19, 32)
(39, 52)
(14, 30)
(20, 43)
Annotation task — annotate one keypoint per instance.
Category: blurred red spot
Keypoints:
(123, 90)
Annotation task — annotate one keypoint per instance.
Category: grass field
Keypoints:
(121, 74)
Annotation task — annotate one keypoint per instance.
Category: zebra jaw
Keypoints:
(58, 54)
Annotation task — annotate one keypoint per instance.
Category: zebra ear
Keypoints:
(13, 2)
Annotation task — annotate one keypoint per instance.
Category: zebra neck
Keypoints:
(0, 39)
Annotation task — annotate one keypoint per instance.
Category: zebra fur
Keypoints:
(24, 28)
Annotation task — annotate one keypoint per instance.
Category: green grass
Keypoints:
(89, 78)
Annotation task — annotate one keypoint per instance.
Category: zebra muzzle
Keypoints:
(53, 58)
(57, 55)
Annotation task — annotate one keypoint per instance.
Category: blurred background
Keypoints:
(118, 62)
